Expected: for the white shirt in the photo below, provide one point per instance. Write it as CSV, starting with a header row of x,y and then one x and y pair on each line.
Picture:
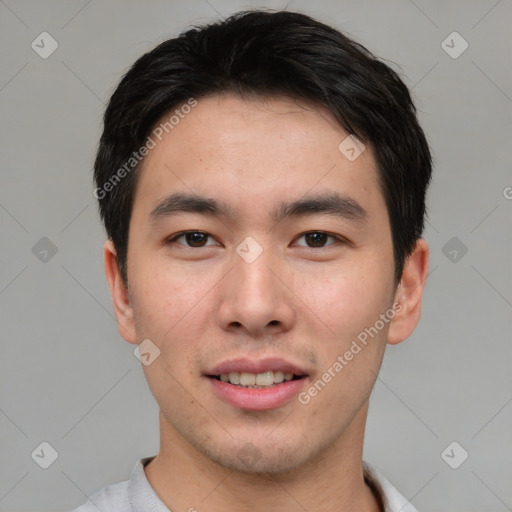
x,y
137,495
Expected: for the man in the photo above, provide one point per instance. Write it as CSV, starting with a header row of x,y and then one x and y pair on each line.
x,y
262,181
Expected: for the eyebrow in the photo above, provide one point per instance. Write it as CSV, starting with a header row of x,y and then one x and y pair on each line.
x,y
332,203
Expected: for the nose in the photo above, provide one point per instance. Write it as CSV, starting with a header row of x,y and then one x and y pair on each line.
x,y
254,298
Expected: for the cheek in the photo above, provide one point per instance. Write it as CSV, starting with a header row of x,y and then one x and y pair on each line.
x,y
350,298
352,354
166,299
350,303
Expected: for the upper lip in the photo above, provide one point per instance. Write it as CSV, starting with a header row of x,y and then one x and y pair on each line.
x,y
244,364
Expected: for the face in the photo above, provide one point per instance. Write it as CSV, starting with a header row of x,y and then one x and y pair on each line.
x,y
250,284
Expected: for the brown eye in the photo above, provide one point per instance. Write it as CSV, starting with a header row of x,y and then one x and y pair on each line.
x,y
196,239
316,239
193,239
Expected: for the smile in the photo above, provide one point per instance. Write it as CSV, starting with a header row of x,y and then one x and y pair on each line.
x,y
256,380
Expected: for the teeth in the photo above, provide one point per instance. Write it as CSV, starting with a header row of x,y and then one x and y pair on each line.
x,y
247,379
253,380
234,378
265,379
278,377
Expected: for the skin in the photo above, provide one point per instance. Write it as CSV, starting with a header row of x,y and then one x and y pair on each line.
x,y
204,305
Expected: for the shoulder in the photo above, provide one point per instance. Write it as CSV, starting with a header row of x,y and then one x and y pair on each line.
x,y
112,498
133,494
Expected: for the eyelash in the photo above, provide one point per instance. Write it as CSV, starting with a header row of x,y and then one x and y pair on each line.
x,y
183,233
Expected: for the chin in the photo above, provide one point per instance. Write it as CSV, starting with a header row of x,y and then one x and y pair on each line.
x,y
251,459
264,455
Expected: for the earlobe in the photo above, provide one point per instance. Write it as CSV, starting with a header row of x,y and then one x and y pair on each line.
x,y
119,292
409,294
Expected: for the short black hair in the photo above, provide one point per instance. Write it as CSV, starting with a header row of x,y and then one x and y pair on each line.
x,y
267,54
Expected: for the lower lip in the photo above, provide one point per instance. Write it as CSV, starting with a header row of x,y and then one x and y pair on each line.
x,y
254,399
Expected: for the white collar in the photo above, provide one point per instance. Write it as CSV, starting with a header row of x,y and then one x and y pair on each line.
x,y
143,498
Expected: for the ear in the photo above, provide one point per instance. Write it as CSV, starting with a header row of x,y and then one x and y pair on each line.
x,y
409,294
120,297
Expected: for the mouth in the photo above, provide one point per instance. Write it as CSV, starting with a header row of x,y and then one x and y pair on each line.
x,y
256,385
262,380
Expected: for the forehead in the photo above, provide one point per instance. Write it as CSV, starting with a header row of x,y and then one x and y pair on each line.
x,y
252,152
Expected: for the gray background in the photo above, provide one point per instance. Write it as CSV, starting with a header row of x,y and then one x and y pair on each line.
x,y
67,377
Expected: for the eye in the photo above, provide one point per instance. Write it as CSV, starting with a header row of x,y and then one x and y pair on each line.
x,y
198,239
193,239
318,239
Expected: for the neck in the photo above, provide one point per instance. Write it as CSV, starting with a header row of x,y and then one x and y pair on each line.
x,y
185,479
